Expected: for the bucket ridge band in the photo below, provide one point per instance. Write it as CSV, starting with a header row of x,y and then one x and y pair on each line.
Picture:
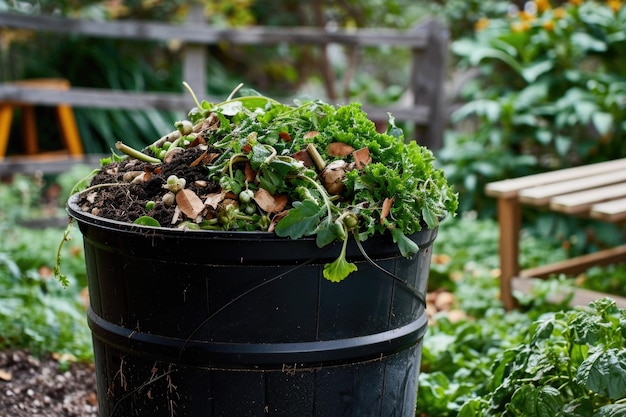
x,y
262,355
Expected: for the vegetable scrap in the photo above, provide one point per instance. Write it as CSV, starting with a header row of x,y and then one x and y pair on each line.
x,y
253,164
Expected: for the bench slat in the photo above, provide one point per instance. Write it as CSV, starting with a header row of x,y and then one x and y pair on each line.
x,y
511,187
612,211
540,196
581,202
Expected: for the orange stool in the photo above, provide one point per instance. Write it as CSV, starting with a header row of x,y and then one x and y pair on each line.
x,y
67,123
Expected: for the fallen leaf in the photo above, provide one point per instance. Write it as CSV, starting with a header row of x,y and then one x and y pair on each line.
x,y
304,157
189,203
285,136
275,219
199,159
311,134
339,149
386,209
212,200
270,203
362,157
249,172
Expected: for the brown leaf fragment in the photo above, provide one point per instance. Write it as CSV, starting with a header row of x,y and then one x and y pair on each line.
x,y
213,200
189,203
249,173
198,140
304,157
362,157
270,203
339,149
285,136
275,219
311,134
386,209
205,159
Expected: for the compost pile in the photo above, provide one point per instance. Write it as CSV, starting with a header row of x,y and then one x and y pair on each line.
x,y
254,164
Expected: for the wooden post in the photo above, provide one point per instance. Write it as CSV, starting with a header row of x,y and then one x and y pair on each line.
x,y
427,83
194,55
509,220
6,116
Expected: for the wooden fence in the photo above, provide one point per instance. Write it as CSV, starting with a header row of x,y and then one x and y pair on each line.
x,y
428,43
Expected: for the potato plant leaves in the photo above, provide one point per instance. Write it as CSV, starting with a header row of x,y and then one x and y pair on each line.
x,y
573,363
604,372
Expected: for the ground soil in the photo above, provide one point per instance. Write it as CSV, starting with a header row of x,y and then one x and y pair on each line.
x,y
42,387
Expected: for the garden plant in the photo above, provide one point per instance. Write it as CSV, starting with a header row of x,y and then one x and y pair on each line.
x,y
549,93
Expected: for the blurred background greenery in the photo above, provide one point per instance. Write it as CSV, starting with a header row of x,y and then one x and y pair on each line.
x,y
532,86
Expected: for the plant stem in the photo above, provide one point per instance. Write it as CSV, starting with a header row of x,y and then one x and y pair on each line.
x,y
232,94
316,157
323,193
193,95
136,154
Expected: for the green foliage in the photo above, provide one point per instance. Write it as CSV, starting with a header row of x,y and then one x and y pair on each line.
x,y
35,311
570,363
549,94
396,189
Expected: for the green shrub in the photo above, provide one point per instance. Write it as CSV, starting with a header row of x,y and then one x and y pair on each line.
x,y
551,93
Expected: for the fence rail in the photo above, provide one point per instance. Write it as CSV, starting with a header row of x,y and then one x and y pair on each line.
x,y
428,43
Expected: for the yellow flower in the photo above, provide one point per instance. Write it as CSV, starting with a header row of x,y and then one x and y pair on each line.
x,y
527,17
559,13
548,25
543,5
519,27
481,24
615,5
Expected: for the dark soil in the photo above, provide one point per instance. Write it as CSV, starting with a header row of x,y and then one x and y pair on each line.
x,y
41,387
126,202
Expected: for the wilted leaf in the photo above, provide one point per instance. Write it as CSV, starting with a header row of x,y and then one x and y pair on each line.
x,y
270,203
189,203
212,200
386,209
339,149
362,157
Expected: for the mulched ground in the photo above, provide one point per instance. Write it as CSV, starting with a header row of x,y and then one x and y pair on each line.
x,y
40,387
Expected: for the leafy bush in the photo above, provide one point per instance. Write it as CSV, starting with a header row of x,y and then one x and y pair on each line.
x,y
571,363
551,93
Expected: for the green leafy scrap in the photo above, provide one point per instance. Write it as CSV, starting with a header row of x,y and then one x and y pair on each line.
x,y
255,135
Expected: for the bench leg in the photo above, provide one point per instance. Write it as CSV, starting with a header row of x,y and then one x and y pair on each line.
x,y
69,129
6,116
29,130
509,220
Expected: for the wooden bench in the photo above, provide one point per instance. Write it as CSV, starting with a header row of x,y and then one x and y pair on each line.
x,y
596,191
65,116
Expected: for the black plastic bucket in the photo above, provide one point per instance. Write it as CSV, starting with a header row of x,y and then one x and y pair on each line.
x,y
205,323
